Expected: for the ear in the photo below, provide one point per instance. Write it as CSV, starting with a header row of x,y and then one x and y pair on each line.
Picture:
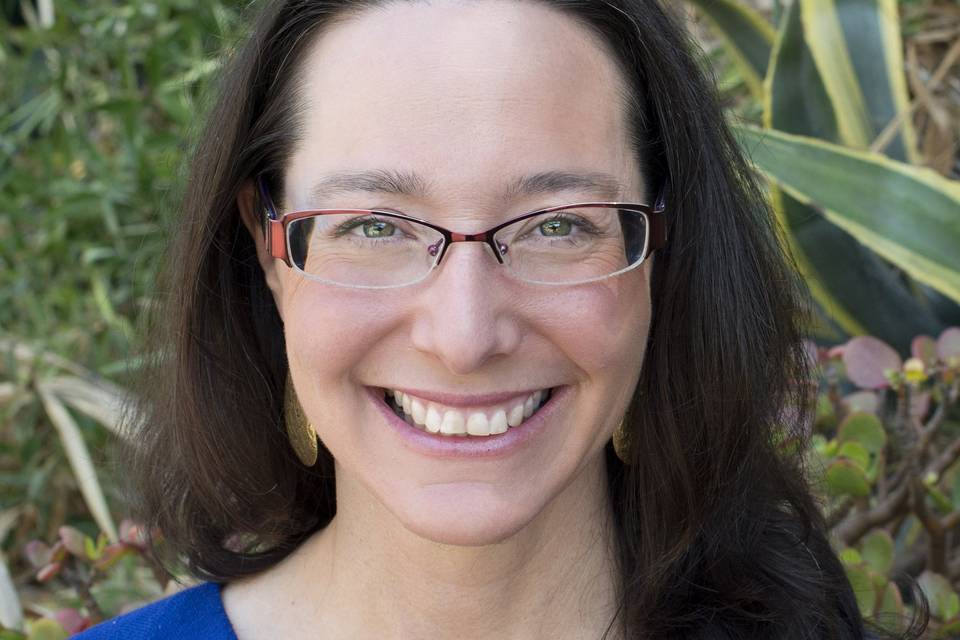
x,y
252,218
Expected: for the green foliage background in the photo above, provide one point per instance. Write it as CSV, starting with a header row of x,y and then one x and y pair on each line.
x,y
97,114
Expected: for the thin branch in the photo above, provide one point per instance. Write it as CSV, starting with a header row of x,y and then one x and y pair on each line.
x,y
936,540
857,525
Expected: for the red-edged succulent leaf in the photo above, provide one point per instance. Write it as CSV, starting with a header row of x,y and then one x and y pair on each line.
x,y
58,552
48,572
71,620
948,346
925,349
72,540
133,534
111,554
867,360
38,553
836,351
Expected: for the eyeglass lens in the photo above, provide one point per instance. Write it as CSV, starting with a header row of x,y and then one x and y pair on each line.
x,y
378,250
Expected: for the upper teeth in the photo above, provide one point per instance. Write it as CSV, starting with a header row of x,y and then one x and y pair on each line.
x,y
438,418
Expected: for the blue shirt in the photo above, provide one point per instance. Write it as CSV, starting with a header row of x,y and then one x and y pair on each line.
x,y
196,613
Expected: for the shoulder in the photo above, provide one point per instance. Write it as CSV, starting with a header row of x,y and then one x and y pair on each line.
x,y
194,613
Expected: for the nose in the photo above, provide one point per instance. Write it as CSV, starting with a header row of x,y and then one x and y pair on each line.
x,y
466,314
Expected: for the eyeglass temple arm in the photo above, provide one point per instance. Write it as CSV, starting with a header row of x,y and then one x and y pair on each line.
x,y
658,222
273,234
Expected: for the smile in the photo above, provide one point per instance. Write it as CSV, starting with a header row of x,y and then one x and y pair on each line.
x,y
437,418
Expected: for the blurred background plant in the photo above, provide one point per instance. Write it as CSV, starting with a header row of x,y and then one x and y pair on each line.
x,y
850,107
884,457
98,102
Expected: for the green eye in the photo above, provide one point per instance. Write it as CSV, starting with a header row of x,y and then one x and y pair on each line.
x,y
556,227
378,229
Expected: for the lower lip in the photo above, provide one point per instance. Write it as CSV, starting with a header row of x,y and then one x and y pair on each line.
x,y
469,447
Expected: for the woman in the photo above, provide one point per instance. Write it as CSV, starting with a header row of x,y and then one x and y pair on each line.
x,y
407,391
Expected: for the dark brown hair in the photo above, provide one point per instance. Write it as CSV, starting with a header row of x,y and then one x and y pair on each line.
x,y
718,535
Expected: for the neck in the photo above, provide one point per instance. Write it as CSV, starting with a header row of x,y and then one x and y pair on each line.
x,y
366,575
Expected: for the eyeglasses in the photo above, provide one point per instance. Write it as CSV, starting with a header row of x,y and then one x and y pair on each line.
x,y
377,249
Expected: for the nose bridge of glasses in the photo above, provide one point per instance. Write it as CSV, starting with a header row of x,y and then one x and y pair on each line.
x,y
468,237
484,238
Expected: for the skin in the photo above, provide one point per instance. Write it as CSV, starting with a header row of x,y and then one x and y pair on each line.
x,y
510,548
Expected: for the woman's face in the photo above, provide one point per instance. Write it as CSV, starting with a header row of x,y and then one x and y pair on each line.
x,y
469,97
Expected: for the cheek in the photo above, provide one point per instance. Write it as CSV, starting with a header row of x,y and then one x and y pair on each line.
x,y
328,330
602,327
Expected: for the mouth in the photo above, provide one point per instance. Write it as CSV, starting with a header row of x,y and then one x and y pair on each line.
x,y
480,422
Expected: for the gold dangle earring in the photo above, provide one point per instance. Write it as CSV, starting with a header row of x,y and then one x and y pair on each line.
x,y
621,443
302,436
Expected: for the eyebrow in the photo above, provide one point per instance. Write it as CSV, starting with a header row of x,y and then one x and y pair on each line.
x,y
413,185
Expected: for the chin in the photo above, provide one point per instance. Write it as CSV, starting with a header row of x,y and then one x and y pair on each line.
x,y
469,521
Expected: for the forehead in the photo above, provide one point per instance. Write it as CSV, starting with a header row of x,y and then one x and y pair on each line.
x,y
469,96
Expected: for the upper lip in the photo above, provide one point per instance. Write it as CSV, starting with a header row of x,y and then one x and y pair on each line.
x,y
468,400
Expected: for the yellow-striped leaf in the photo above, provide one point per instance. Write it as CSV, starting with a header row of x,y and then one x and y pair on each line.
x,y
824,35
871,29
857,48
907,214
745,33
857,290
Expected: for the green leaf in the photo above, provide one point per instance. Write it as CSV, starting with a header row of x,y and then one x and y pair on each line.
x,y
828,46
11,610
856,289
944,603
871,34
863,588
80,460
850,557
948,630
891,609
825,417
877,550
747,36
904,213
864,429
855,453
943,502
845,478
795,99
46,629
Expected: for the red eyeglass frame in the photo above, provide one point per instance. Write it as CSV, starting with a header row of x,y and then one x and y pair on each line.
x,y
276,228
